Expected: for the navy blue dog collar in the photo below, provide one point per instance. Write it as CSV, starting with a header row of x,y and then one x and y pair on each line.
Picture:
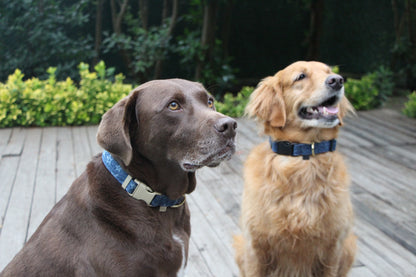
x,y
301,149
137,189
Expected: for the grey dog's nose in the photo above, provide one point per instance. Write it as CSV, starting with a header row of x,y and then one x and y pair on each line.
x,y
334,81
226,126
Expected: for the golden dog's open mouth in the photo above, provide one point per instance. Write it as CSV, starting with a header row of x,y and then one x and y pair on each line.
x,y
325,110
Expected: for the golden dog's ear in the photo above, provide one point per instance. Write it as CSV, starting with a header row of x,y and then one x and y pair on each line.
x,y
113,132
345,108
266,103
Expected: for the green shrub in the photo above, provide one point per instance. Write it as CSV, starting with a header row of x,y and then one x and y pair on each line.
x,y
410,106
361,93
383,81
50,102
371,91
234,105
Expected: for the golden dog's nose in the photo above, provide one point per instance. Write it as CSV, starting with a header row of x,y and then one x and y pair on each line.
x,y
334,81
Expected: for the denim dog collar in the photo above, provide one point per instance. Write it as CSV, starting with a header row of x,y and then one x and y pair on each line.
x,y
301,149
137,189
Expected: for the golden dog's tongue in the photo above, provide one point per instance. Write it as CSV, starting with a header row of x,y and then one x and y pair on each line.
x,y
328,110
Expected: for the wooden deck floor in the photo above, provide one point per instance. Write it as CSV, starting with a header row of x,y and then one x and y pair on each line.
x,y
37,165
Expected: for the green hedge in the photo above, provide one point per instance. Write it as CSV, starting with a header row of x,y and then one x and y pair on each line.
x,y
371,91
35,102
49,102
234,105
410,106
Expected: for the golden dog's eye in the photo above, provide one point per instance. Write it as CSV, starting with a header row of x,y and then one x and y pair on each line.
x,y
174,106
210,103
300,77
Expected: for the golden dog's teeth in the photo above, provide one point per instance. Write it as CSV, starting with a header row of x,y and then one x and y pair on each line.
x,y
325,111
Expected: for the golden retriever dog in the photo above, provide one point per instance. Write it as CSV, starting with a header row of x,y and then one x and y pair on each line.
x,y
296,213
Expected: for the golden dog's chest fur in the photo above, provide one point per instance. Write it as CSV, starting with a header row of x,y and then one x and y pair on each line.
x,y
294,204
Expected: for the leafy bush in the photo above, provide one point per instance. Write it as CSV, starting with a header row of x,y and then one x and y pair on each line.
x,y
361,93
410,106
383,81
37,34
50,102
234,105
371,91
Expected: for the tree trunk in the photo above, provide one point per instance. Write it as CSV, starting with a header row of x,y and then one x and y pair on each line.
x,y
208,35
144,13
226,29
159,63
411,25
315,30
117,19
98,30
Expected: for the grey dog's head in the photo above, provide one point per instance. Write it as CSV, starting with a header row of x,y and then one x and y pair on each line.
x,y
168,121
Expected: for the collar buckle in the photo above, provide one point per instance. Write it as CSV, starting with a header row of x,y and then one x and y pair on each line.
x,y
313,148
143,192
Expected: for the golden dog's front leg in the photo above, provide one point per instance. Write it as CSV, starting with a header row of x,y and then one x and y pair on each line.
x,y
339,258
348,255
252,258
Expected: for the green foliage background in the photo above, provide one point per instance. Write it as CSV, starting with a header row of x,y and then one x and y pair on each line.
x,y
50,102
410,106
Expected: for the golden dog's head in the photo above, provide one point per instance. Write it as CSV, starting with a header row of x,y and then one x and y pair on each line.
x,y
303,102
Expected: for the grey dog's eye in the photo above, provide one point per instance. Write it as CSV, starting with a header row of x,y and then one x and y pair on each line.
x,y
173,106
300,77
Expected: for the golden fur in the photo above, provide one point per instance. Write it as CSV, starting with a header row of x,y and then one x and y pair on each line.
x,y
296,214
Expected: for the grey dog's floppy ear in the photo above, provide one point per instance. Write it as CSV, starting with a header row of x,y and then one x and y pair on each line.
x,y
113,132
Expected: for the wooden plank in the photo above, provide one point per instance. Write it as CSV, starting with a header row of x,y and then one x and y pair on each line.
x,y
82,149
15,144
386,131
375,163
396,118
350,140
358,130
214,213
384,181
8,168
5,135
196,266
375,263
404,154
92,137
388,219
382,255
248,134
44,195
65,165
220,189
14,232
220,260
361,271
389,122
